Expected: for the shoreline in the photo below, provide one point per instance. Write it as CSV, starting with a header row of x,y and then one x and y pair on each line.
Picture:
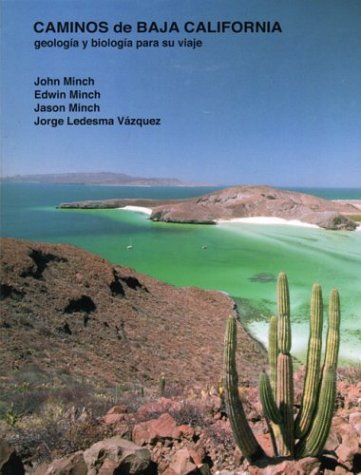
x,y
269,220
264,220
258,330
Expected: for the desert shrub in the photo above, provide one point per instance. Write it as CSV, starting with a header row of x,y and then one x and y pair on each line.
x,y
32,375
135,395
36,443
80,395
190,413
82,434
220,436
21,397
16,404
173,390
53,439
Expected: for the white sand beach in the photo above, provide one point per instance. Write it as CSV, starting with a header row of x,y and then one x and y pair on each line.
x,y
138,209
267,220
250,220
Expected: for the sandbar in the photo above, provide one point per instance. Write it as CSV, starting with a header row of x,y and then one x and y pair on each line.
x,y
267,220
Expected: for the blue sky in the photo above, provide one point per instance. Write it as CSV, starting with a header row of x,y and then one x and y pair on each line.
x,y
278,109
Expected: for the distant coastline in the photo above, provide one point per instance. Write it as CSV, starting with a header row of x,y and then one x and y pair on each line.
x,y
341,193
98,178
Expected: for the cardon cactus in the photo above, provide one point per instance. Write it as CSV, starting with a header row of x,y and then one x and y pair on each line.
x,y
306,434
241,429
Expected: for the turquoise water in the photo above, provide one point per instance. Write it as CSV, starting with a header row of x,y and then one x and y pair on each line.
x,y
240,259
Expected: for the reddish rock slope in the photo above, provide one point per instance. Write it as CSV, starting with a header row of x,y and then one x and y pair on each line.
x,y
66,310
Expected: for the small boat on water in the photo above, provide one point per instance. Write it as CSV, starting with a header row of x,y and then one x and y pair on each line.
x,y
130,245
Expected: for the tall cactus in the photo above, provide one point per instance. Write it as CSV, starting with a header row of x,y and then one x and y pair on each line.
x,y
313,443
312,377
306,435
242,432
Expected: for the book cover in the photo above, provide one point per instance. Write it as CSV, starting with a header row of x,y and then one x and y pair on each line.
x,y
207,145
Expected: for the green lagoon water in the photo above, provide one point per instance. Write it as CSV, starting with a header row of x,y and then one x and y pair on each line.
x,y
240,259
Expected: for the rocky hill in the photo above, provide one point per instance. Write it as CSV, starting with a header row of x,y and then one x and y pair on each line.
x,y
64,310
251,201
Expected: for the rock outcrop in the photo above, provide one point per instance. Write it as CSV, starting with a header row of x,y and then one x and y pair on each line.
x,y
113,455
205,445
120,456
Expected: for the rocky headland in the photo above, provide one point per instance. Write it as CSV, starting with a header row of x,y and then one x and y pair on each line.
x,y
253,201
243,202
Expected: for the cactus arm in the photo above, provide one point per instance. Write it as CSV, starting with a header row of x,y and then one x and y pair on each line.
x,y
313,443
274,428
273,350
269,405
285,403
270,410
333,332
315,440
284,322
284,377
242,432
312,377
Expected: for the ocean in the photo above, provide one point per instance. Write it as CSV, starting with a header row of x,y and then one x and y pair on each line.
x,y
240,259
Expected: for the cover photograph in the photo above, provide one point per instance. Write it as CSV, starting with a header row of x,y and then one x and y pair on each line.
x,y
180,244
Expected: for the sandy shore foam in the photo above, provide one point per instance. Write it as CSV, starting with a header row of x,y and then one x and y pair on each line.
x,y
267,220
138,209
